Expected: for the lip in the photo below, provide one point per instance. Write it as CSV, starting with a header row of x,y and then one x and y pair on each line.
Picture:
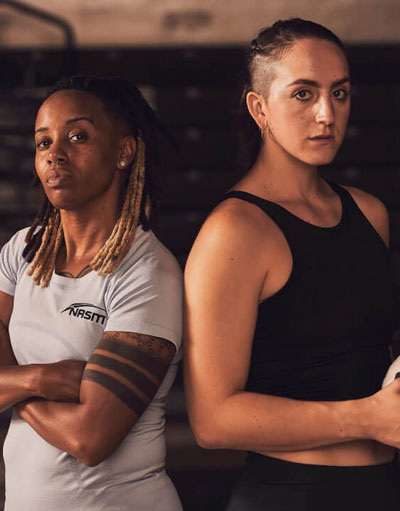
x,y
322,139
56,178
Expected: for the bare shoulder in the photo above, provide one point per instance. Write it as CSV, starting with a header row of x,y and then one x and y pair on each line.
x,y
234,241
235,225
374,210
367,201
233,214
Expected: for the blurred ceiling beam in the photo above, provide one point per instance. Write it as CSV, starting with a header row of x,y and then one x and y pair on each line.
x,y
105,23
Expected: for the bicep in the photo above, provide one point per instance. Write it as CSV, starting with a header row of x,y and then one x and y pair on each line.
x,y
121,377
223,281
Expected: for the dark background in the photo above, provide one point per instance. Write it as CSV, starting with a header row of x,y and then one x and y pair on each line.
x,y
195,92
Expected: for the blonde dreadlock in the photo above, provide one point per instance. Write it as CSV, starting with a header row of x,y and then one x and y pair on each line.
x,y
43,263
116,246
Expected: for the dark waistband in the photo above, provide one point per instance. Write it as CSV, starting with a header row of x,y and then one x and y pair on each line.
x,y
288,469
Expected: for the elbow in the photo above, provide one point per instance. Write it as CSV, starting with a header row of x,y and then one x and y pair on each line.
x,y
91,444
88,452
91,459
206,441
208,436
210,425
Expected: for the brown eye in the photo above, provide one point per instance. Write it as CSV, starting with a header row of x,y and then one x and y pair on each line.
x,y
77,137
303,95
43,144
340,94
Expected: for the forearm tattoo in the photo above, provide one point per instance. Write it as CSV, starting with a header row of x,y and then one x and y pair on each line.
x,y
131,366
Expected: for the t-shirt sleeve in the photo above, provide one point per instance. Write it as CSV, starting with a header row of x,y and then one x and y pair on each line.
x,y
10,261
146,298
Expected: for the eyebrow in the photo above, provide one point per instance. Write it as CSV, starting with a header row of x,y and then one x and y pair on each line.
x,y
70,121
305,81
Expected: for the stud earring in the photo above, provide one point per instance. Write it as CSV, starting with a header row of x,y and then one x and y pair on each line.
x,y
122,163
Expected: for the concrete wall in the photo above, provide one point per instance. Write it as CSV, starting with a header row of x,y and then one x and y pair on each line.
x,y
176,22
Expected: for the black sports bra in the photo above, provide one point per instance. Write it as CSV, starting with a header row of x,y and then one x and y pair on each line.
x,y
325,334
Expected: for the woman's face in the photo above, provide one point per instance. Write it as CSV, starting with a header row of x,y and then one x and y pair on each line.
x,y
77,150
308,103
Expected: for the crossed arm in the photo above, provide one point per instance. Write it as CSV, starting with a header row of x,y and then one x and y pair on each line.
x,y
120,379
88,418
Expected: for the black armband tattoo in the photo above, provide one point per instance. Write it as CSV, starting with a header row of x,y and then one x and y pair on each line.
x,y
131,371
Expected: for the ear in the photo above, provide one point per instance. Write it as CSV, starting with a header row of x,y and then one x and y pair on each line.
x,y
126,152
257,108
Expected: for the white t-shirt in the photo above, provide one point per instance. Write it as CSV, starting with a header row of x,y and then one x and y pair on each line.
x,y
66,321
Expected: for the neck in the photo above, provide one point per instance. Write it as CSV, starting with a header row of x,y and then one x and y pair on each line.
x,y
86,231
282,177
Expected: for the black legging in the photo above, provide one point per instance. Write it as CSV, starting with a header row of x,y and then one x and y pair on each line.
x,y
270,484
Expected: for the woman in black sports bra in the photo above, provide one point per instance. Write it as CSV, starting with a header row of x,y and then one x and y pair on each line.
x,y
290,304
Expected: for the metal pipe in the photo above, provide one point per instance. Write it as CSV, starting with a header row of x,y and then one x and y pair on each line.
x,y
46,16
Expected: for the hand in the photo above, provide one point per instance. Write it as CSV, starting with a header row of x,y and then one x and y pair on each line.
x,y
384,415
61,381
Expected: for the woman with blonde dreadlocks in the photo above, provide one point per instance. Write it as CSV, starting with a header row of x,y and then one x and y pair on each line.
x,y
92,303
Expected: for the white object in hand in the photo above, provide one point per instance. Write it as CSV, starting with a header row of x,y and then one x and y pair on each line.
x,y
391,373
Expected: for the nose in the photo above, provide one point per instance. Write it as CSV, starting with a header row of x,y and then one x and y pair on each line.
x,y
56,156
59,160
324,113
